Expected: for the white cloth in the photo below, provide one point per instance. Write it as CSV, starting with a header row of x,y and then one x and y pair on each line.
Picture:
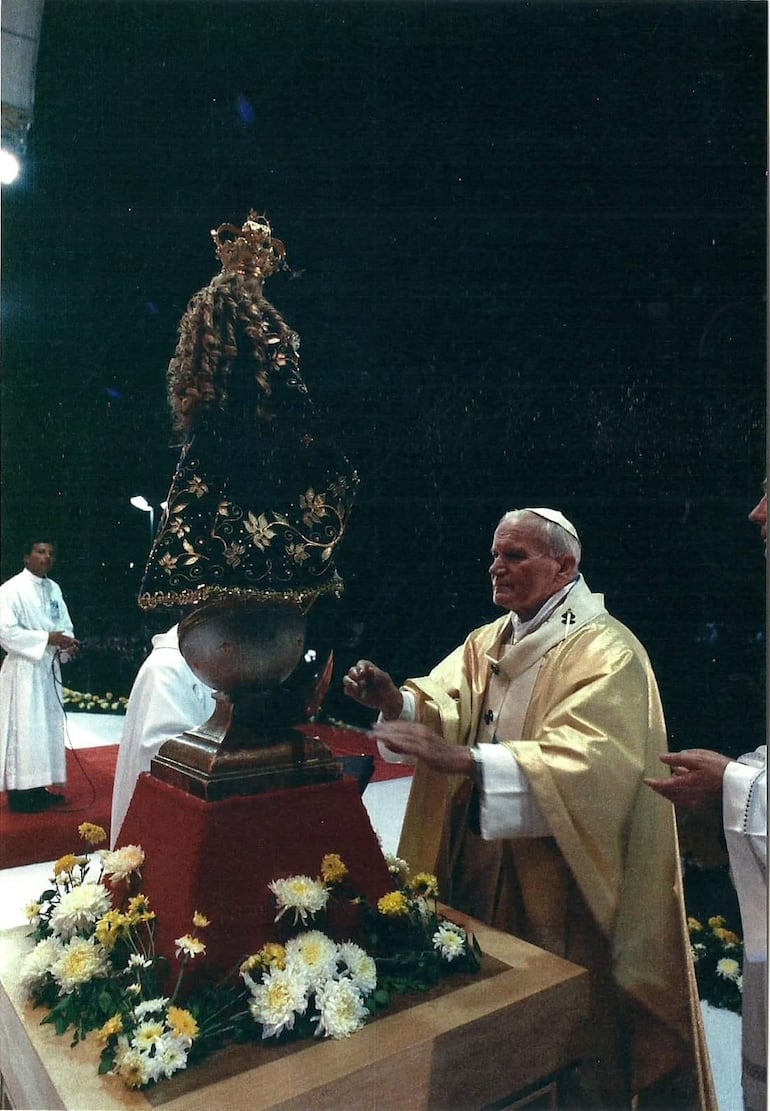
x,y
166,698
744,808
32,719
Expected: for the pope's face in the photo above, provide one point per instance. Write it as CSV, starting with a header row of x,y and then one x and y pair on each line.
x,y
523,575
40,560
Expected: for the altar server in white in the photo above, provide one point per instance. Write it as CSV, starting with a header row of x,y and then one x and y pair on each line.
x,y
166,699
37,634
703,779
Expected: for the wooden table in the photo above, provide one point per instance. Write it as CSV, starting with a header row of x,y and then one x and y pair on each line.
x,y
478,1040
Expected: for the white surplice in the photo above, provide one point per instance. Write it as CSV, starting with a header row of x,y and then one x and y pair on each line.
x,y
32,720
166,698
744,806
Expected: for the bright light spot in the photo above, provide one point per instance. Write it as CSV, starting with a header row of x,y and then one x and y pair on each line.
x,y
140,502
311,656
10,167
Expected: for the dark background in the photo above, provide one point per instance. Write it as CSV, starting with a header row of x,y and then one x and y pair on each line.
x,y
528,243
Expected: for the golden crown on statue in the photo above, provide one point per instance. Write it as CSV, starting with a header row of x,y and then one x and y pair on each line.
x,y
250,249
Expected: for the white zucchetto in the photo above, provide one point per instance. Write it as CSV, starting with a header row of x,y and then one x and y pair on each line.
x,y
557,518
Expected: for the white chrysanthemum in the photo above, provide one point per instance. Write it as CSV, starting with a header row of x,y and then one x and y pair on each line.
x,y
301,894
278,1000
122,862
449,940
397,866
697,951
739,983
39,962
149,1007
728,968
136,960
80,961
341,1007
313,956
171,1054
79,909
362,968
147,1034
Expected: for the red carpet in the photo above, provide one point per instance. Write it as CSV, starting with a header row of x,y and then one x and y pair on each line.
x,y
30,838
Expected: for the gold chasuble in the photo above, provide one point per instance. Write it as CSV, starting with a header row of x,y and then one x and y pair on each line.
x,y
605,889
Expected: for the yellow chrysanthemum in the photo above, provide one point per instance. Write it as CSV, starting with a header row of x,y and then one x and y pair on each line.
x,y
694,926
716,921
91,833
67,864
393,905
333,869
189,946
727,936
110,927
273,955
424,883
182,1023
133,1070
139,910
112,1026
200,920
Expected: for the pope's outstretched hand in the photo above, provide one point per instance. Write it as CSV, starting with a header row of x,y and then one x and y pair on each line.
x,y
407,738
371,686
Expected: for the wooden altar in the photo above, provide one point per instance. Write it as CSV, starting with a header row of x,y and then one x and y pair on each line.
x,y
502,1037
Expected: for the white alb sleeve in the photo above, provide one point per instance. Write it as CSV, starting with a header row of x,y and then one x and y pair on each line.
x,y
408,713
507,804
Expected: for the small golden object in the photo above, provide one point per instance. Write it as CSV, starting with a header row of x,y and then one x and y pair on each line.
x,y
251,249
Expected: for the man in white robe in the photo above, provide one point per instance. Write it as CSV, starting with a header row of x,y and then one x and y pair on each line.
x,y
536,733
704,780
36,632
166,698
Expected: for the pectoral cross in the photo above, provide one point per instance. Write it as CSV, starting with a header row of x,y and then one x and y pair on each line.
x,y
568,618
489,717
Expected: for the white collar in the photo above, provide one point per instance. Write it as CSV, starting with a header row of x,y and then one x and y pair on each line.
x,y
39,579
520,628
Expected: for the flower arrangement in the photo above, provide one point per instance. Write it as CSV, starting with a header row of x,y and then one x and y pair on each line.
x,y
82,703
95,968
718,956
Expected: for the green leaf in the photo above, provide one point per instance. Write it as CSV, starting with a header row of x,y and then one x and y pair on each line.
x,y
106,1003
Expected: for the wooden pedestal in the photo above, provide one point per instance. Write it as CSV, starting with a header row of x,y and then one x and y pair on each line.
x,y
489,1039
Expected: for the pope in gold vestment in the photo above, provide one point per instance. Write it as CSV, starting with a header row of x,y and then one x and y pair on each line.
x,y
604,888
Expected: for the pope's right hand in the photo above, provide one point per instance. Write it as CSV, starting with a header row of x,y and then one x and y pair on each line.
x,y
371,686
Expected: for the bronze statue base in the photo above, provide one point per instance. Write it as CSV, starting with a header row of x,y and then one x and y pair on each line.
x,y
222,758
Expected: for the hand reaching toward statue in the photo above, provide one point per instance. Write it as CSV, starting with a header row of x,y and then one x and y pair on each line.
x,y
371,686
696,778
420,743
